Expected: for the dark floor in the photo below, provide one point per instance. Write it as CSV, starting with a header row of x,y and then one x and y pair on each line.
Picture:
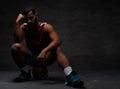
x,y
101,79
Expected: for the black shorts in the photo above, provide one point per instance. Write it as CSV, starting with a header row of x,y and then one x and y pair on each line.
x,y
32,60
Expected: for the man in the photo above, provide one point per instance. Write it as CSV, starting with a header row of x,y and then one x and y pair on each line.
x,y
42,47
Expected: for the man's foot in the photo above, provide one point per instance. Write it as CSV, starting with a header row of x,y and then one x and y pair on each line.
x,y
74,81
23,76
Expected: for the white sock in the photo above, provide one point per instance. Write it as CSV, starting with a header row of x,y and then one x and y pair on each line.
x,y
26,68
68,70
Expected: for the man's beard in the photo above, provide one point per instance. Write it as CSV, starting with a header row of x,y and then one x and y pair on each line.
x,y
32,24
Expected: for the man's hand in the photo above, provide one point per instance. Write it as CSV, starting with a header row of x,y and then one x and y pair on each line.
x,y
41,59
42,55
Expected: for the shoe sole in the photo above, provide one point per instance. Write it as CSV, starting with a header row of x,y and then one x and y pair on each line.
x,y
78,84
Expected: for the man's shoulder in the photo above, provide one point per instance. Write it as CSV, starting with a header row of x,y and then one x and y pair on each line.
x,y
48,27
42,23
24,26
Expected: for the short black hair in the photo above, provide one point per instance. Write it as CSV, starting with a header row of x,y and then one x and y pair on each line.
x,y
26,10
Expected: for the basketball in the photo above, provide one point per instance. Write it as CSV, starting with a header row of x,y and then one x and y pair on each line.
x,y
40,73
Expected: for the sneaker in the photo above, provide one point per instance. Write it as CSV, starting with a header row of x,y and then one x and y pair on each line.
x,y
23,76
73,80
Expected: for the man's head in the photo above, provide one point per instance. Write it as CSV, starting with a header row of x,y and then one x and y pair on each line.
x,y
30,15
26,10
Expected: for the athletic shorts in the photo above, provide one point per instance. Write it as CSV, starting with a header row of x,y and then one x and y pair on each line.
x,y
31,60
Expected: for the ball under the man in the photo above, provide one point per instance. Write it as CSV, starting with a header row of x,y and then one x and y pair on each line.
x,y
40,73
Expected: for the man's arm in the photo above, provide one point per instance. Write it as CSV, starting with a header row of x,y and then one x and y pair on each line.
x,y
55,39
18,29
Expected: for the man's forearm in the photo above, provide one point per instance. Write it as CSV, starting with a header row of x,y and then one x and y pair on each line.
x,y
18,36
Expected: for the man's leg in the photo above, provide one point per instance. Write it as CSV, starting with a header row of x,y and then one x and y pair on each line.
x,y
19,53
71,76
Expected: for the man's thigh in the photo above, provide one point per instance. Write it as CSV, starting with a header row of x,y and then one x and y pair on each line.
x,y
51,57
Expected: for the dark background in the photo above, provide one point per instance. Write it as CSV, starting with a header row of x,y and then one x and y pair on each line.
x,y
90,30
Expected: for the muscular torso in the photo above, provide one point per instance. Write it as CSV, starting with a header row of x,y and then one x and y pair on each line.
x,y
36,39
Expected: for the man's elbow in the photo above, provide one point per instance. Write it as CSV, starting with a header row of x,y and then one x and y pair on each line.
x,y
59,42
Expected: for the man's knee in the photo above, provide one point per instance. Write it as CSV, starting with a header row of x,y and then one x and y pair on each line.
x,y
59,50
